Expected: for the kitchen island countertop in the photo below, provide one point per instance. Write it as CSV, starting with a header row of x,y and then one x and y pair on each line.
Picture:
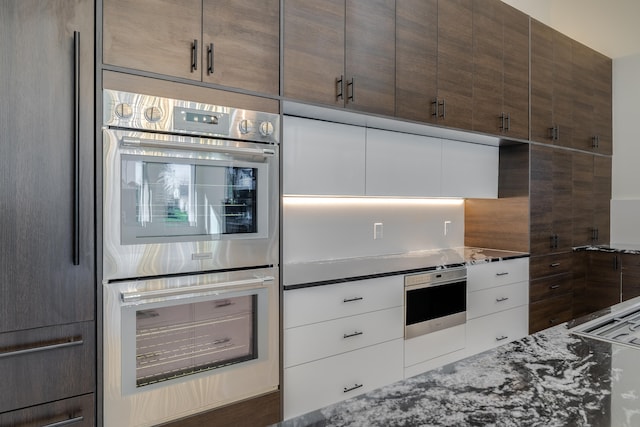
x,y
551,378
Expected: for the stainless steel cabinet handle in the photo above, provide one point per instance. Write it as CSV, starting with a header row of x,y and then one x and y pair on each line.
x,y
554,265
554,287
72,342
435,104
76,148
443,103
340,88
351,95
65,422
503,117
502,274
502,299
355,334
156,143
508,122
354,387
501,338
210,59
194,55
353,299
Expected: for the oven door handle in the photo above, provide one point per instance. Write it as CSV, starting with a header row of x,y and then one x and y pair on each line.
x,y
193,291
155,143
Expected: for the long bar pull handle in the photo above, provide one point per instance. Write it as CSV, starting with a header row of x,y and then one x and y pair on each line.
x,y
353,299
504,273
501,338
351,84
502,299
76,148
615,262
66,422
355,334
69,343
194,55
435,104
340,88
210,59
554,265
444,108
155,143
502,125
354,387
552,287
557,132
508,122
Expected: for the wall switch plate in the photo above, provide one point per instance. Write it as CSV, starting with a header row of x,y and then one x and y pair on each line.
x,y
377,230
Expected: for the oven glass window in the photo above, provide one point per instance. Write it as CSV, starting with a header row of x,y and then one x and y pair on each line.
x,y
167,202
185,339
433,302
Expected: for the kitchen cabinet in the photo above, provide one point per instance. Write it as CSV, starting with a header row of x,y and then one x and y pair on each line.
x,y
630,276
322,158
469,170
76,411
47,273
400,164
340,53
501,69
227,43
603,280
591,194
433,350
341,340
497,304
552,94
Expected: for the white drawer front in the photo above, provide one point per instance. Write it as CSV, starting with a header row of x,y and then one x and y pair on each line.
x,y
317,384
500,298
435,344
434,363
491,331
487,275
319,340
320,303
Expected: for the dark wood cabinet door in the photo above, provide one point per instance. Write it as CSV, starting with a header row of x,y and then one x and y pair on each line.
x,y
630,276
583,202
602,199
39,283
153,35
314,51
76,412
241,44
541,200
516,71
370,56
563,90
602,103
583,110
455,67
541,82
416,59
562,200
488,66
603,280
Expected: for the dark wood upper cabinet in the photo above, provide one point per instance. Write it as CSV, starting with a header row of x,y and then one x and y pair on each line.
x,y
341,53
228,43
501,69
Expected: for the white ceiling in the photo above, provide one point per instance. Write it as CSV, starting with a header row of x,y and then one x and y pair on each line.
x,y
608,26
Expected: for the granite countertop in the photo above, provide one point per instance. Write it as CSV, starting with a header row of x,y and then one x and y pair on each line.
x,y
551,378
305,274
624,248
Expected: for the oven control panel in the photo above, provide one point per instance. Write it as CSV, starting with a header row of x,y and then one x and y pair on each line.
x,y
152,113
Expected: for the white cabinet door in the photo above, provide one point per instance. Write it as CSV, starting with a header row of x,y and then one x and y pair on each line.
x,y
322,158
496,329
469,170
499,298
491,274
401,164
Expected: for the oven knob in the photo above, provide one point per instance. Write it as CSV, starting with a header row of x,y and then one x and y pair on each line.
x,y
245,126
153,114
123,111
266,128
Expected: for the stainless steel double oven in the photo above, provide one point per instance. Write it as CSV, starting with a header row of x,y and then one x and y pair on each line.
x,y
190,257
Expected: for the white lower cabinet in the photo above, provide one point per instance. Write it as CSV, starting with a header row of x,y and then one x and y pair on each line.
x,y
430,351
490,331
320,383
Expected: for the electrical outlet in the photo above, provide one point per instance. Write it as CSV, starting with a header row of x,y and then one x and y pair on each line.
x,y
377,230
447,225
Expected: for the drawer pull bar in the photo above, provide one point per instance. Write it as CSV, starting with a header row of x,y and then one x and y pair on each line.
x,y
502,338
554,286
353,299
554,265
348,389
355,334
502,274
502,299
66,422
65,344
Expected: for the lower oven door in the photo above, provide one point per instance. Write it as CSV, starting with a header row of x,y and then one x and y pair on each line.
x,y
177,346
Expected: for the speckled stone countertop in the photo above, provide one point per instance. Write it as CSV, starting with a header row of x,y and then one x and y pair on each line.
x,y
551,378
624,248
300,275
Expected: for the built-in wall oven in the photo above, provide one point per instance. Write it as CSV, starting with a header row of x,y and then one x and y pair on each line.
x,y
435,300
190,257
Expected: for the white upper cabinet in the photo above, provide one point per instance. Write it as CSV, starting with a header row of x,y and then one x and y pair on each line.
x,y
469,170
322,158
401,164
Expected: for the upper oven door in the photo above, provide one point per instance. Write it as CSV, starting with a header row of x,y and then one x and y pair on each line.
x,y
177,204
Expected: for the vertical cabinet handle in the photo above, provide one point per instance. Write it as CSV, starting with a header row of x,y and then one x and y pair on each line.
x,y
443,104
351,94
508,122
76,148
435,108
502,122
194,55
209,59
340,88
615,262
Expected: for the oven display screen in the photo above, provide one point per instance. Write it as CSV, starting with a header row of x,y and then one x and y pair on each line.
x,y
201,118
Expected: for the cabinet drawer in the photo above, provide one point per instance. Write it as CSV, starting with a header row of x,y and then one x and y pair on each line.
x,y
319,340
317,384
631,262
46,364
491,331
487,275
551,286
320,303
550,312
434,344
74,412
496,299
548,265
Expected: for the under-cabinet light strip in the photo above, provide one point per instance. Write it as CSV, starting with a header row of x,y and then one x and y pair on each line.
x,y
303,200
